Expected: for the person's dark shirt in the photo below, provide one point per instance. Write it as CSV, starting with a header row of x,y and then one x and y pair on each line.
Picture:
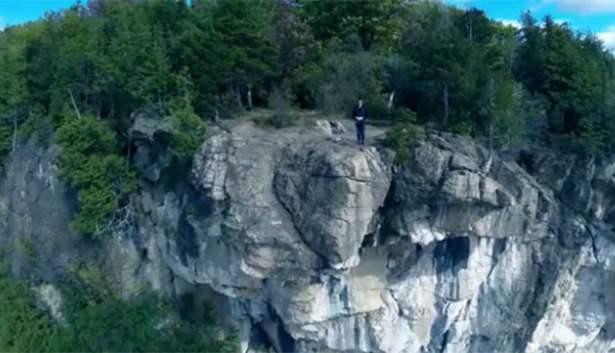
x,y
359,111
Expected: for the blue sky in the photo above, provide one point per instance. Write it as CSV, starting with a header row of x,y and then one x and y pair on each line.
x,y
597,16
19,11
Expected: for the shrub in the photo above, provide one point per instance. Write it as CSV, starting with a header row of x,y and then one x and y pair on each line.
x,y
463,127
5,139
189,131
343,78
402,134
26,248
279,102
37,126
592,138
144,324
141,325
91,163
378,109
23,328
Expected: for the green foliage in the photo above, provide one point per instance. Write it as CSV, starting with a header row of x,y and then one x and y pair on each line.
x,y
12,83
189,131
110,325
453,68
296,45
23,328
403,134
25,246
38,127
457,69
5,139
463,127
343,78
509,124
592,138
90,285
572,75
279,102
230,48
90,162
142,325
375,22
248,49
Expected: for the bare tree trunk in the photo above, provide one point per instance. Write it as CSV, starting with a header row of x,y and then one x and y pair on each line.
x,y
391,100
512,57
249,97
217,108
470,25
491,133
390,106
129,153
491,113
491,103
14,131
238,95
445,98
72,98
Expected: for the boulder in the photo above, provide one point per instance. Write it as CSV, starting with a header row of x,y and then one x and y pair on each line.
x,y
333,193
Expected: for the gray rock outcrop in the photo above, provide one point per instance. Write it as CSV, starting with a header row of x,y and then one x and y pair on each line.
x,y
150,136
36,210
307,243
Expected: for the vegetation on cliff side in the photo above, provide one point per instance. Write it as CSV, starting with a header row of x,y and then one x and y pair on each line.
x,y
105,325
92,165
454,69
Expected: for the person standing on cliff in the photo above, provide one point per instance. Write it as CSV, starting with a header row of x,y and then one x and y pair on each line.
x,y
359,115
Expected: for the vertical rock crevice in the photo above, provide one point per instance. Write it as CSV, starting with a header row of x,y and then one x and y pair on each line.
x,y
314,245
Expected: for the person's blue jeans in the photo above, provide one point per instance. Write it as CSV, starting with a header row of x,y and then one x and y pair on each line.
x,y
360,133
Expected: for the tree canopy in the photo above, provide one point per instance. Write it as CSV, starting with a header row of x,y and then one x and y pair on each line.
x,y
452,69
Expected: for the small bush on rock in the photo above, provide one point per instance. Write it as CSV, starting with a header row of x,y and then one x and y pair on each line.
x,y
189,131
404,131
91,163
279,102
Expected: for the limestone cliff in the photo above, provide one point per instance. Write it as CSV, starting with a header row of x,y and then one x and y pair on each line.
x,y
310,244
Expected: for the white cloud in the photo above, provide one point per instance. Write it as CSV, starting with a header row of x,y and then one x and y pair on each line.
x,y
608,37
512,23
2,23
585,6
561,21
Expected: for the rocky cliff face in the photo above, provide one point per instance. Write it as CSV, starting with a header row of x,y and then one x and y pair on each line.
x,y
309,244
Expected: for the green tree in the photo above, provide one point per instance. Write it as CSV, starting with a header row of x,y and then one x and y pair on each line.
x,y
143,324
374,22
23,328
14,101
91,163
188,129
246,50
528,69
343,77
571,73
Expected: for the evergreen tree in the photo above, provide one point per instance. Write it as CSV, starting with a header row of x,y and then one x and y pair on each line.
x,y
374,22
